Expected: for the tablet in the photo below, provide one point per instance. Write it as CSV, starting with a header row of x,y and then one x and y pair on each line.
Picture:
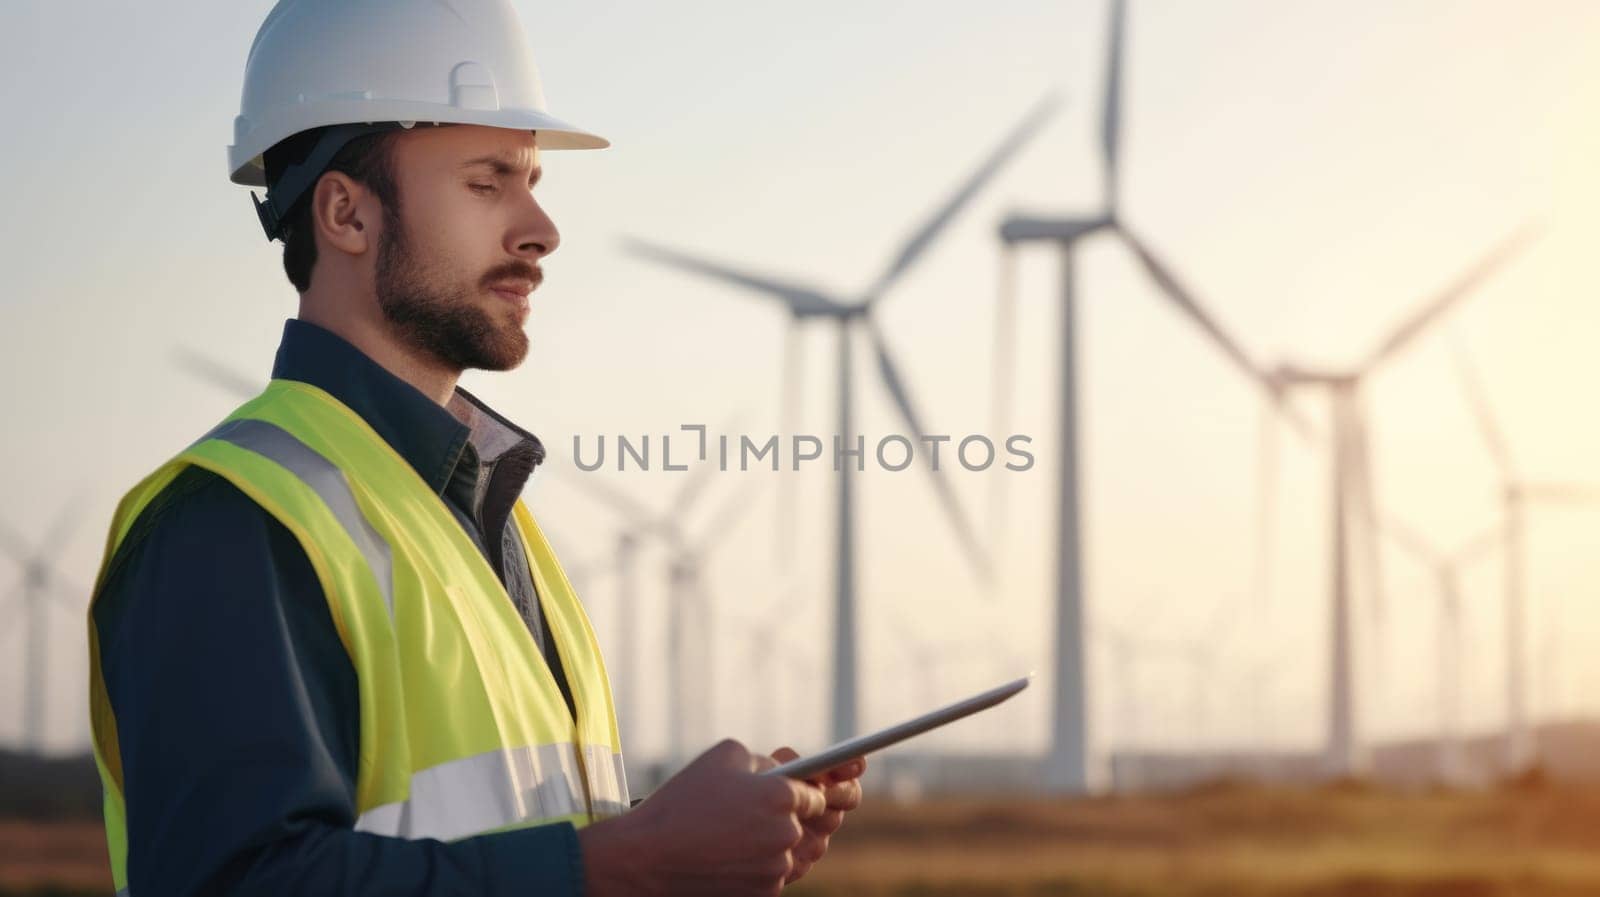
x,y
845,751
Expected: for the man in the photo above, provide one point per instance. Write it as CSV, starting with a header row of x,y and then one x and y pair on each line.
x,y
332,652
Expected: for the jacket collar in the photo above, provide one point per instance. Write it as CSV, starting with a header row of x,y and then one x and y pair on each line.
x,y
434,440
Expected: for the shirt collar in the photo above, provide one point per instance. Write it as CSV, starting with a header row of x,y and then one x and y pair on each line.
x,y
432,439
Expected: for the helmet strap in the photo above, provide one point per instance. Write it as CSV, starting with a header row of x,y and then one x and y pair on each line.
x,y
286,192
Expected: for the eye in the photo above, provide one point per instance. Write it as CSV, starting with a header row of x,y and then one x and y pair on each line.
x,y
482,189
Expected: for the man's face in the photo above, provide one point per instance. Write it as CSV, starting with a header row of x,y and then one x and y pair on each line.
x,y
458,258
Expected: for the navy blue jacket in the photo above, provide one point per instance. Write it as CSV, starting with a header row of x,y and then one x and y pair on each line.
x,y
236,704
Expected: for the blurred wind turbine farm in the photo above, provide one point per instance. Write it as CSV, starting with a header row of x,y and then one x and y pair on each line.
x,y
804,302
1430,530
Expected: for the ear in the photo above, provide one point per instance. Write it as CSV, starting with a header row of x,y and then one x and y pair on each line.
x,y
344,214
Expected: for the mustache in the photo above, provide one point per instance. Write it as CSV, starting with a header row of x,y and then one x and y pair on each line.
x,y
513,270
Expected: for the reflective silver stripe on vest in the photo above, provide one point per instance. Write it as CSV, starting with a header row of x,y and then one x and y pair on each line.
x,y
122,893
282,447
608,782
491,791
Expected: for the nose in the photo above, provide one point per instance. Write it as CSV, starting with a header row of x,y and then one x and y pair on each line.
x,y
535,235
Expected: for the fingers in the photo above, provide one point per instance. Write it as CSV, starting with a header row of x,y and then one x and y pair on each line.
x,y
825,823
809,801
799,867
842,795
761,764
727,752
852,770
845,772
819,806
807,853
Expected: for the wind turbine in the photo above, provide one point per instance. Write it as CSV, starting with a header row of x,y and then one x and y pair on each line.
x,y
1450,752
1066,766
39,588
1516,495
1125,641
1260,680
621,563
1353,502
638,523
689,600
765,643
587,573
924,661
804,303
1197,656
1124,647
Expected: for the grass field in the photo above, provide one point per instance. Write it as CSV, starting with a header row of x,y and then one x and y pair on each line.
x,y
1222,841
1240,842
58,859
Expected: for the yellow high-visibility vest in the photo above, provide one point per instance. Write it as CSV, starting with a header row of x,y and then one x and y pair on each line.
x,y
463,727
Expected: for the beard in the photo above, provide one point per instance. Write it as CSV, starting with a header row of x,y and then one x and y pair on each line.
x,y
439,318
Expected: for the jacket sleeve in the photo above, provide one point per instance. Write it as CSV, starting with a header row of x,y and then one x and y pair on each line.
x,y
237,718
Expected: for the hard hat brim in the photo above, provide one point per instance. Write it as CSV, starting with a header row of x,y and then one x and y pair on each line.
x,y
245,156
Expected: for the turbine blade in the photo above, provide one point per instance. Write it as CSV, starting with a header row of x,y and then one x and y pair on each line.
x,y
785,530
1187,304
12,543
217,373
1488,427
1266,501
947,499
799,298
1366,507
19,596
59,595
1002,370
1485,542
590,571
727,514
694,485
918,242
620,503
1408,540
55,539
1463,286
700,477
1562,493
1111,123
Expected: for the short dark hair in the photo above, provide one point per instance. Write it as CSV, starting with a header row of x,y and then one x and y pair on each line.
x,y
368,160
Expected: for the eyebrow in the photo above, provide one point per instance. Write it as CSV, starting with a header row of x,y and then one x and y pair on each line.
x,y
503,166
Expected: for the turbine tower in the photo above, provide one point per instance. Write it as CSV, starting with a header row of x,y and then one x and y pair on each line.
x,y
804,303
1450,756
1067,763
39,588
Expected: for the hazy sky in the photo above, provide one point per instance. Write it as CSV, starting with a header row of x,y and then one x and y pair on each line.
x,y
1314,170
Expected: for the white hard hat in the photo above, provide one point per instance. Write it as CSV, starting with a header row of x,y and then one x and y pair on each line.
x,y
316,63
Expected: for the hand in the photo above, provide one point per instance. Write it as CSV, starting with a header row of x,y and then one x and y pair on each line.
x,y
841,789
717,828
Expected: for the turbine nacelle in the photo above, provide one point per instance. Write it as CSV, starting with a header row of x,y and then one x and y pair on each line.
x,y
1581,494
1031,229
1285,376
820,306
